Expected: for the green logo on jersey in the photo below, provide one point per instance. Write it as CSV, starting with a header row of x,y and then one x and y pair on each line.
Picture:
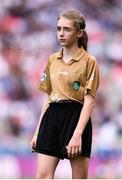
x,y
76,85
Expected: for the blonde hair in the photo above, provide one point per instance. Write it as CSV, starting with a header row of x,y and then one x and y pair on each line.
x,y
79,23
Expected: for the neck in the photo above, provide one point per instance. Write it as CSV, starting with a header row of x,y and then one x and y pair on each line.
x,y
69,52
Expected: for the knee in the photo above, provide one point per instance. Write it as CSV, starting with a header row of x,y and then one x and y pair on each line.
x,y
44,175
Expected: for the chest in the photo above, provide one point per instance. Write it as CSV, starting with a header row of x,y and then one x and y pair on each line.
x,y
75,68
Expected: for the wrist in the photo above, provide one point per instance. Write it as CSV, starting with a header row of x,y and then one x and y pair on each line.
x,y
77,132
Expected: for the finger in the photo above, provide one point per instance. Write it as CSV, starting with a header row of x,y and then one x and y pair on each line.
x,y
73,151
33,144
79,150
69,151
33,148
76,150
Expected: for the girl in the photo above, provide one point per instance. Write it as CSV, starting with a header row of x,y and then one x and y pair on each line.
x,y
70,81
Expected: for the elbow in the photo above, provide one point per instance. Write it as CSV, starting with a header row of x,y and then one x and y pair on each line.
x,y
90,105
89,102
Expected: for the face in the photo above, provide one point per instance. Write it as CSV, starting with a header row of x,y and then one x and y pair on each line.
x,y
66,32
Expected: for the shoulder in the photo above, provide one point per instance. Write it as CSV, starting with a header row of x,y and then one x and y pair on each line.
x,y
53,57
91,59
87,56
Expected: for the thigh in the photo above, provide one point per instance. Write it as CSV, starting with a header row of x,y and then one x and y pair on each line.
x,y
79,167
46,165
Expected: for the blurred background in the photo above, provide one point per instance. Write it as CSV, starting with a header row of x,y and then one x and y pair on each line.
x,y
27,38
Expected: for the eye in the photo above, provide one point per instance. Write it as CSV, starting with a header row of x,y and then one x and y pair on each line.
x,y
58,28
67,29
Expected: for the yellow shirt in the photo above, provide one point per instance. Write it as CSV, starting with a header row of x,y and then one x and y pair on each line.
x,y
70,81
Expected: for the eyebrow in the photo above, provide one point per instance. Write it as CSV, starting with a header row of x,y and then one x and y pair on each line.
x,y
64,27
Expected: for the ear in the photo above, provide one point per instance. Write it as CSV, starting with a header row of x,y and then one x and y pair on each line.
x,y
80,33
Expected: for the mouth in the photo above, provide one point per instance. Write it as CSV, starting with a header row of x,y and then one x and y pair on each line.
x,y
62,40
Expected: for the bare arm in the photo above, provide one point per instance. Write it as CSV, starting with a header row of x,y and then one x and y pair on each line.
x,y
75,143
44,108
85,114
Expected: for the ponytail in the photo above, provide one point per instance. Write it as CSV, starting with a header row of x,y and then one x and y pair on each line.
x,y
83,41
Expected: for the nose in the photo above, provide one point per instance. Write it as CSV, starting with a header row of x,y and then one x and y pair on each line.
x,y
61,33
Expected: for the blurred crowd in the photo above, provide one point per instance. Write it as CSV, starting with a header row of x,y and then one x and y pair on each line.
x,y
27,38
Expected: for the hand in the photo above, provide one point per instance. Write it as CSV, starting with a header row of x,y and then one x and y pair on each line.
x,y
74,146
33,142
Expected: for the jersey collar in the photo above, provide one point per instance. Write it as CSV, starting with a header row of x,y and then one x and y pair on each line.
x,y
77,57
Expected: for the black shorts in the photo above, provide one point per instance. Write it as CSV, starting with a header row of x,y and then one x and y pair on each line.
x,y
57,127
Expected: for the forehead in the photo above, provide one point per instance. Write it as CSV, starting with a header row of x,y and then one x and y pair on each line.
x,y
64,22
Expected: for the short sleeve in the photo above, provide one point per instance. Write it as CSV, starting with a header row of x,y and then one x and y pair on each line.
x,y
45,83
92,81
